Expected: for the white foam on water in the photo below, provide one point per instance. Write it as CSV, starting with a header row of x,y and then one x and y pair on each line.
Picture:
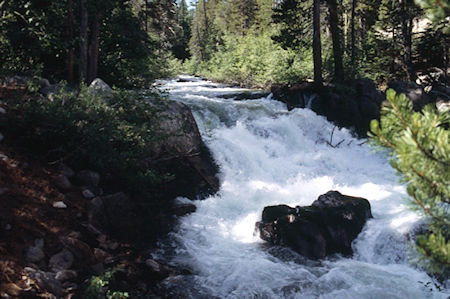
x,y
270,156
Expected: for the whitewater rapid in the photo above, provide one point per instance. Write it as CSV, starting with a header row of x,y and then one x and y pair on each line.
x,y
270,156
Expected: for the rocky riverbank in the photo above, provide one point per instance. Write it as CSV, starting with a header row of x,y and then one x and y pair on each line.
x,y
65,231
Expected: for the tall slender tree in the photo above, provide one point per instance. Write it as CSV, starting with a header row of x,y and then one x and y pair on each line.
x,y
83,66
317,45
336,37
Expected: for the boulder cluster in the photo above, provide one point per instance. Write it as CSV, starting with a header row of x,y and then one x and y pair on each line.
x,y
328,226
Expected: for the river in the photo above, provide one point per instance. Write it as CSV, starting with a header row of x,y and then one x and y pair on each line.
x,y
270,156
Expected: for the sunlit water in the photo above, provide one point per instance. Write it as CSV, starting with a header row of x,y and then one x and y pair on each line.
x,y
270,156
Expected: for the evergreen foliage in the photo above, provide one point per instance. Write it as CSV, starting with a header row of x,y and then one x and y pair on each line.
x,y
80,128
420,144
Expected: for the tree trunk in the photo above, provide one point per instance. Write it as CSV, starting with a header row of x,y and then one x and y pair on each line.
x,y
336,37
93,49
352,33
83,41
317,46
407,40
70,52
205,16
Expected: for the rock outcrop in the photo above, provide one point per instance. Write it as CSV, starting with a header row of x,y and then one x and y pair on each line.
x,y
353,106
326,227
414,92
182,153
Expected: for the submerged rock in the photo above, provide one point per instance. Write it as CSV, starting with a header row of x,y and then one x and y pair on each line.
x,y
328,226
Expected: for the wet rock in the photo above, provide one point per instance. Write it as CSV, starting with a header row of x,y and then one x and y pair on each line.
x,y
183,207
244,95
158,270
62,183
59,205
87,178
353,105
66,275
183,154
414,92
61,261
35,254
326,227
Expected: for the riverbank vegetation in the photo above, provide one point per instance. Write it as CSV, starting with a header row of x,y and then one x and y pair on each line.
x,y
262,42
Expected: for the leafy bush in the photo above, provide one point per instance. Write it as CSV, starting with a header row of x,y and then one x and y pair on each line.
x,y
99,287
82,130
253,60
421,154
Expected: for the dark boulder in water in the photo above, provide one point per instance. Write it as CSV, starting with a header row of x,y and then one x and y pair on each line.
x,y
326,227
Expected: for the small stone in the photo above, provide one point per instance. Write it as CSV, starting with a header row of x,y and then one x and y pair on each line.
x,y
113,245
76,235
81,250
61,261
3,191
47,282
2,110
59,205
88,178
101,255
98,268
8,226
66,275
67,171
3,157
70,287
153,265
88,193
62,183
34,254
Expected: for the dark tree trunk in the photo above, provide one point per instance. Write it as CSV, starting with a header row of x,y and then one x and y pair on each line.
x,y
336,37
352,33
317,47
205,16
93,49
83,41
70,52
407,39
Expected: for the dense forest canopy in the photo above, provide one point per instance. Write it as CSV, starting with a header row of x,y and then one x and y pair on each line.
x,y
257,42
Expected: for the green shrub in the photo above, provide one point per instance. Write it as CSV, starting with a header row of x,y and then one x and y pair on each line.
x,y
98,287
82,130
253,60
421,154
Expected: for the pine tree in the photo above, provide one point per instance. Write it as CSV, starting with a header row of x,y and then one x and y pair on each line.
x,y
420,144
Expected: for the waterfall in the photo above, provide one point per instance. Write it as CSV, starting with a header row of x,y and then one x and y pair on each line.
x,y
270,156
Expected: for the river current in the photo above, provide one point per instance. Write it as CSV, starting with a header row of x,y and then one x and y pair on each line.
x,y
268,156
